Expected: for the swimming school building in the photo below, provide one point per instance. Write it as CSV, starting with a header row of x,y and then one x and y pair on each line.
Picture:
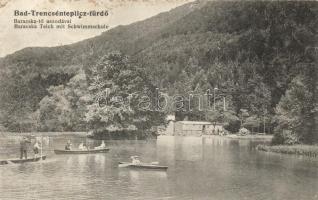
x,y
192,128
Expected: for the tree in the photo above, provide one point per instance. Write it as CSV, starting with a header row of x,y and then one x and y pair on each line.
x,y
55,111
298,109
65,107
122,96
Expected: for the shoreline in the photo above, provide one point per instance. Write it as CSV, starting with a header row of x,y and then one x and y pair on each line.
x,y
85,134
102,136
300,150
41,133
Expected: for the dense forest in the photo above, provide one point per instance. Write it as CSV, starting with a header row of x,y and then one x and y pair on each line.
x,y
257,59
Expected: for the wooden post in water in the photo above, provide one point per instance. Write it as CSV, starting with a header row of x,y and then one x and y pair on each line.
x,y
41,146
264,125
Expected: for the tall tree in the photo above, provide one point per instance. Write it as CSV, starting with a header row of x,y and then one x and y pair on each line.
x,y
122,95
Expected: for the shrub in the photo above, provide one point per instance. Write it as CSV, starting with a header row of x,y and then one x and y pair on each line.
x,y
232,122
285,137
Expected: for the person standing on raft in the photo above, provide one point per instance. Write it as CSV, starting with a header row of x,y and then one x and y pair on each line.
x,y
36,148
24,147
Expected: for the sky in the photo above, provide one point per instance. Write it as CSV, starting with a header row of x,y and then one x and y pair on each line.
x,y
121,12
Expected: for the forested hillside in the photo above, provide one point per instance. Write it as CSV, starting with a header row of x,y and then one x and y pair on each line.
x,y
261,57
27,75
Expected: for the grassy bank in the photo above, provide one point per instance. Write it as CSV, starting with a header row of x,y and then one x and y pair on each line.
x,y
236,136
122,135
304,150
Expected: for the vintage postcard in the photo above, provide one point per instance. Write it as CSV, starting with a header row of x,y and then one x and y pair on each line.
x,y
158,100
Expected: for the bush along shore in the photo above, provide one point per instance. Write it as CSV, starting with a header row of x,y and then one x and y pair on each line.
x,y
122,135
304,150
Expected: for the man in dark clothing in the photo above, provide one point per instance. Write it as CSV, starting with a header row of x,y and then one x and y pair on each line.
x,y
68,145
24,148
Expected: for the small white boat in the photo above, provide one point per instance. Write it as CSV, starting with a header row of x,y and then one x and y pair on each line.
x,y
153,165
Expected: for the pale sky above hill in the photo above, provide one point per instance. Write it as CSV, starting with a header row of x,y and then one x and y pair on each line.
x,y
121,12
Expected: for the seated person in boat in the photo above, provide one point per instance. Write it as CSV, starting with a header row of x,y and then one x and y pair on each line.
x,y
82,146
101,146
24,143
36,148
68,145
135,160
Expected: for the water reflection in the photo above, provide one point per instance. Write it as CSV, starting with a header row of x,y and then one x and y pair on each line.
x,y
199,168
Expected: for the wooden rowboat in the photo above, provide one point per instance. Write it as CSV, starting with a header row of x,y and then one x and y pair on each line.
x,y
89,151
142,166
19,161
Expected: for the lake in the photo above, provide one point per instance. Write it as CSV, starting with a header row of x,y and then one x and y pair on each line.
x,y
211,167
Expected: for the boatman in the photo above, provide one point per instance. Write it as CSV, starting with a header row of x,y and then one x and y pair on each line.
x,y
82,147
24,147
102,146
68,145
135,160
36,148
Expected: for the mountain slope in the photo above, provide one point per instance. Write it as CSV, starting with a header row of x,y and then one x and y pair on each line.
x,y
27,74
251,51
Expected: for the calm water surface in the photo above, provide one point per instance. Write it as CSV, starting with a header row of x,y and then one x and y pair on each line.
x,y
199,168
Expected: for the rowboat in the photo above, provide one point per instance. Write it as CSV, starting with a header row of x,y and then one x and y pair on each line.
x,y
19,161
89,151
143,166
